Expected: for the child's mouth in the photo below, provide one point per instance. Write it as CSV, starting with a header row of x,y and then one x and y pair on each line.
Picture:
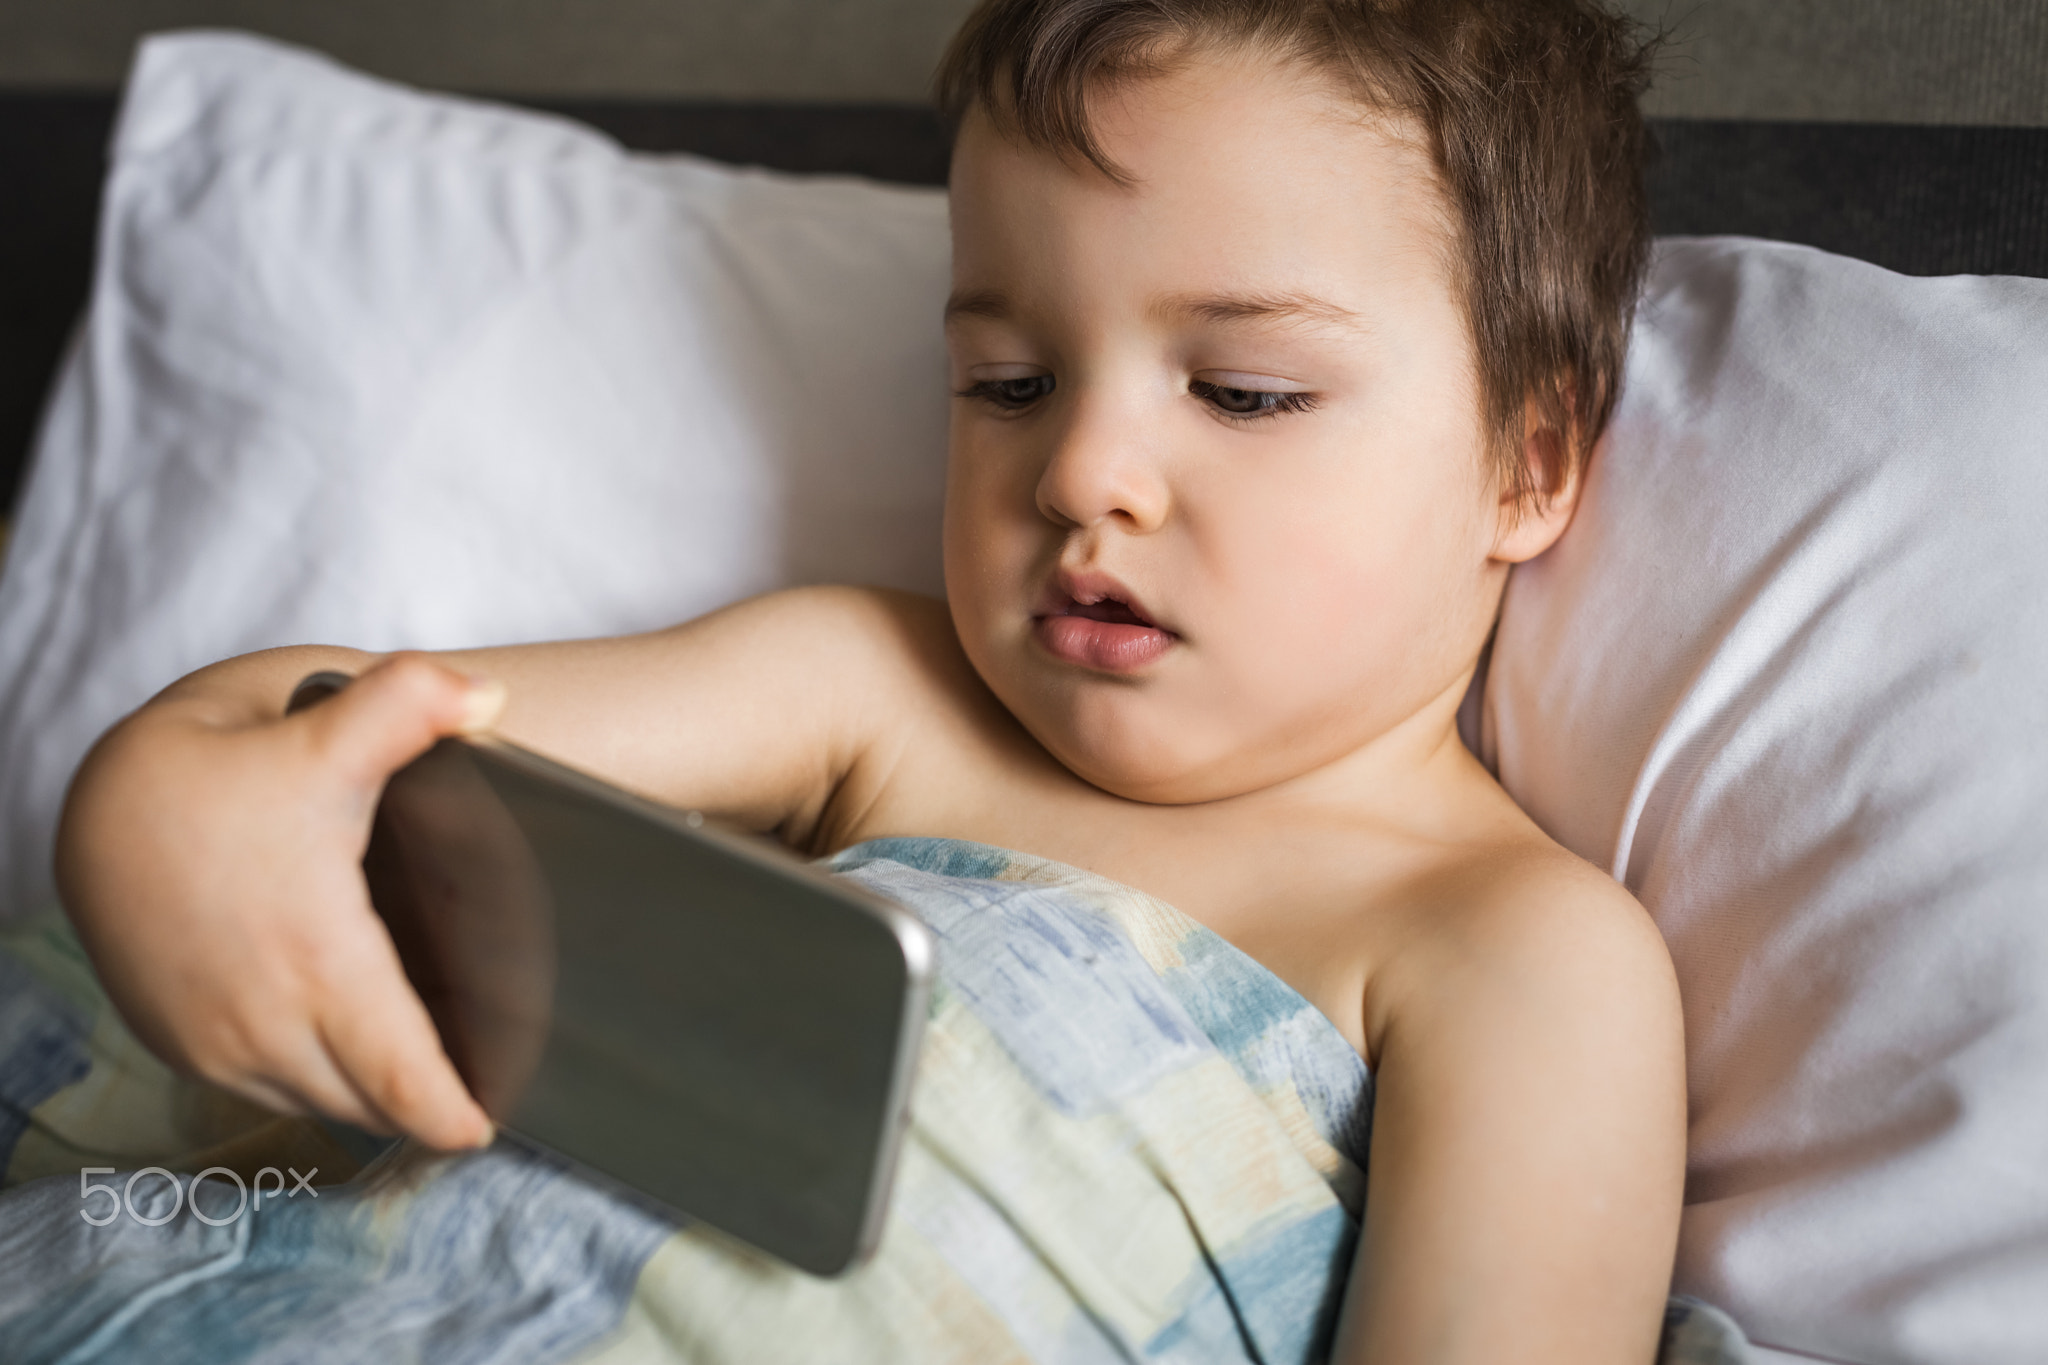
x,y
1099,629
1110,610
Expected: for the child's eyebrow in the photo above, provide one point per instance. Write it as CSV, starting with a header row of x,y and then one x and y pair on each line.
x,y
1290,307
978,303
1285,307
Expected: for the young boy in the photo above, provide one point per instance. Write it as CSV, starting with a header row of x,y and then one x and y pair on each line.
x,y
1280,332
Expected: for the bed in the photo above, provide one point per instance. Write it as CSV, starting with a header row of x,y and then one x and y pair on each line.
x,y
1782,679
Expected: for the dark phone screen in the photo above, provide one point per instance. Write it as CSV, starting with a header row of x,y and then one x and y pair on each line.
x,y
722,1036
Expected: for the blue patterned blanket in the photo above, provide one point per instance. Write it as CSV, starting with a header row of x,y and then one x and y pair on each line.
x,y
1130,1143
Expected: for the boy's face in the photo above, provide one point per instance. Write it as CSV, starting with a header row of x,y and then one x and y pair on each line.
x,y
1218,511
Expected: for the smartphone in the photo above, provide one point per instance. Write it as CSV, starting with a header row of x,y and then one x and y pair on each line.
x,y
687,1013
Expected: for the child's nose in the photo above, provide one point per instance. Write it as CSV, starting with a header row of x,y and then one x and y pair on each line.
x,y
1104,467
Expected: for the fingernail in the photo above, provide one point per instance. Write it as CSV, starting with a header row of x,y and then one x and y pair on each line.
x,y
482,705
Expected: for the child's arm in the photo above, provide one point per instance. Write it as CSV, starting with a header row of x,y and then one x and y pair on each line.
x,y
210,849
1528,1146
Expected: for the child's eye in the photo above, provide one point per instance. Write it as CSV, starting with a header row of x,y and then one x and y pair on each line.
x,y
1242,403
1011,394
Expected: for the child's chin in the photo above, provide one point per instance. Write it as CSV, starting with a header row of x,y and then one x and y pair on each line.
x,y
1104,755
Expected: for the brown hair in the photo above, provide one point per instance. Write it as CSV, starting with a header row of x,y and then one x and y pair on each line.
x,y
1529,108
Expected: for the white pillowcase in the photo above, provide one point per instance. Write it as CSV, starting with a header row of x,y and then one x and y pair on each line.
x,y
386,369
381,368
1787,676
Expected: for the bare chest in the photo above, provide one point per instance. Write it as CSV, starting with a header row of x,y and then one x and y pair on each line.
x,y
1316,904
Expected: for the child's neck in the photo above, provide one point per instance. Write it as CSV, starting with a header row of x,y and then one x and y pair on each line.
x,y
1411,775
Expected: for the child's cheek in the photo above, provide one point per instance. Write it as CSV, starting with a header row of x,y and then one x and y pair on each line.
x,y
988,536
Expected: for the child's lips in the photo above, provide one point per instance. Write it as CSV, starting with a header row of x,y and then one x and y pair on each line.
x,y
1106,646
1099,631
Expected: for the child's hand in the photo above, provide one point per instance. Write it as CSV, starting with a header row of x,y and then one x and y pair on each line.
x,y
210,855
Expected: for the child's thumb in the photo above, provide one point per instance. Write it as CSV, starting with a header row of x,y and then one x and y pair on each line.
x,y
395,711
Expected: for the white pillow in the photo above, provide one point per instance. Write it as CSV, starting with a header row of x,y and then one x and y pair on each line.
x,y
1787,675
388,369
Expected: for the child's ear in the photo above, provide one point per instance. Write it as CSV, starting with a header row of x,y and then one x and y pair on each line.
x,y
1531,524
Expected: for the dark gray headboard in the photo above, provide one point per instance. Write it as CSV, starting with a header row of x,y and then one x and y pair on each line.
x,y
1919,199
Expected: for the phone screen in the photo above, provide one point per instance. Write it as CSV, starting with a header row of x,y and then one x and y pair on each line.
x,y
712,1025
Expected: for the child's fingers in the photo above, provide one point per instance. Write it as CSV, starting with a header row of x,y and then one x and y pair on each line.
x,y
379,1061
383,1042
277,1098
317,1086
287,1070
395,711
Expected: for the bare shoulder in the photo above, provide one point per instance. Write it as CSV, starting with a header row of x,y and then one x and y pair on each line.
x,y
875,623
1525,933
1532,896
920,742
903,634
864,651
893,658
